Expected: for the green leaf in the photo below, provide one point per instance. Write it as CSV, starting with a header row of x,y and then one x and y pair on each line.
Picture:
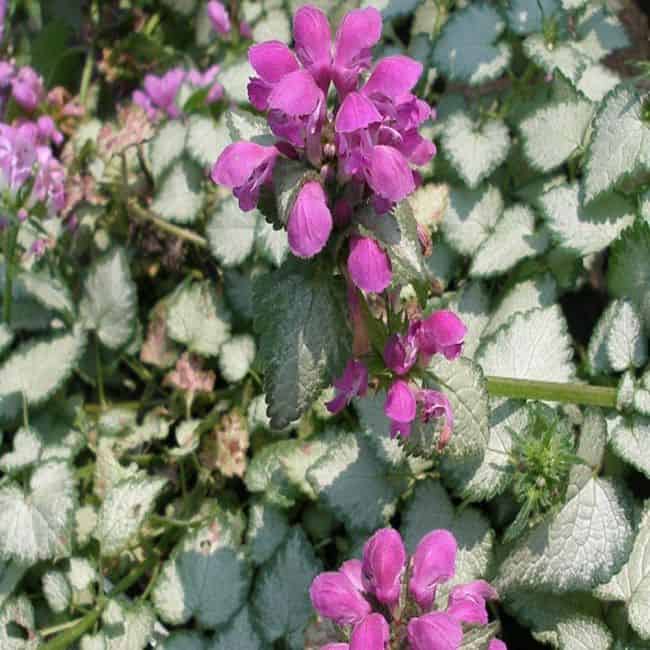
x,y
533,345
391,9
18,612
596,81
619,127
110,300
55,357
205,140
525,17
126,627
466,49
600,32
243,125
183,7
627,345
583,546
57,591
231,233
597,351
304,339
36,523
239,634
474,150
584,230
167,147
630,439
271,244
563,57
206,578
47,291
11,573
123,511
288,178
183,641
267,529
632,583
178,196
274,25
236,357
513,239
352,481
553,133
6,338
281,596
471,217
27,451
198,319
583,634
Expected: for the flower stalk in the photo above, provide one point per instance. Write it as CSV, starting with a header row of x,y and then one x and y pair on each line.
x,y
11,235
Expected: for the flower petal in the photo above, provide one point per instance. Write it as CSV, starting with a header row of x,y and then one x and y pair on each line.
x,y
372,633
310,221
434,562
393,77
369,265
384,560
356,112
435,631
389,174
467,603
272,60
335,597
313,37
400,404
296,94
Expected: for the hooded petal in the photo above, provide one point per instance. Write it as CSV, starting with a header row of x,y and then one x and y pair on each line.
x,y
434,562
400,404
310,221
369,265
467,603
311,32
356,112
389,174
384,560
393,77
272,60
335,597
352,569
296,94
218,17
372,633
353,382
497,644
435,631
442,332
400,353
416,149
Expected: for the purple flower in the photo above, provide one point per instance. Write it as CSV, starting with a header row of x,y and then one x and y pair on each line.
x,y
310,221
218,17
434,562
435,631
335,597
497,644
37,249
353,382
401,352
335,646
207,79
162,91
3,11
392,78
372,633
272,61
356,112
245,167
18,153
435,404
384,559
27,88
442,332
369,265
353,570
467,603
400,408
47,130
389,174
49,182
311,32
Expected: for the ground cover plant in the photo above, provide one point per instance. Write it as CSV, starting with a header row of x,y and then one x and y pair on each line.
x,y
324,325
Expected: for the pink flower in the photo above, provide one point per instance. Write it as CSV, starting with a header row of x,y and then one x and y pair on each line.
x,y
352,570
47,130
335,646
401,352
467,603
353,382
245,167
49,182
400,408
372,633
218,17
384,560
27,88
434,562
389,174
335,597
435,631
207,79
272,61
369,265
310,221
161,92
442,332
435,404
497,644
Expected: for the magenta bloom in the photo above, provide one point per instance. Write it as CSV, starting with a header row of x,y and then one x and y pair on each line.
x,y
435,404
310,221
27,88
401,352
353,382
18,153
389,174
442,332
434,562
245,167
49,182
161,93
369,265
335,646
372,633
467,603
435,631
272,61
218,17
497,644
400,408
47,130
335,597
353,570
355,113
384,560
207,79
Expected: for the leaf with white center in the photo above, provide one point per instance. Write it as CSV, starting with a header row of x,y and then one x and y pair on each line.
x,y
584,230
627,345
584,545
167,147
36,523
6,338
620,145
596,81
597,351
234,79
583,634
55,357
474,150
472,305
206,578
355,484
47,291
513,239
27,451
178,196
591,448
204,140
467,50
110,300
393,8
271,244
630,439
533,345
239,634
238,288
537,293
267,529
236,357
553,133
280,599
231,233
57,591
184,641
127,627
11,573
628,273
243,125
430,508
600,32
564,57
527,16
18,613
641,401
471,217
81,573
301,318
198,319
274,25
644,206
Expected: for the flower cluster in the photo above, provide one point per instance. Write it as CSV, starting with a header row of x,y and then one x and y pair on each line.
x,y
361,152
160,96
440,333
24,85
385,598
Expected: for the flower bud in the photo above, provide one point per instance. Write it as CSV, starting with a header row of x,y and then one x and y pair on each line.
x,y
435,631
400,408
467,603
401,353
335,597
372,633
442,332
310,221
384,558
434,562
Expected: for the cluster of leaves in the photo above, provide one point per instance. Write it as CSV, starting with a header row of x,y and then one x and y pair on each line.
x,y
169,473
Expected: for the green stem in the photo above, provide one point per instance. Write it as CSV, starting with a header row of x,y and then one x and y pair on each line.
x,y
100,374
86,76
139,212
11,236
582,394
